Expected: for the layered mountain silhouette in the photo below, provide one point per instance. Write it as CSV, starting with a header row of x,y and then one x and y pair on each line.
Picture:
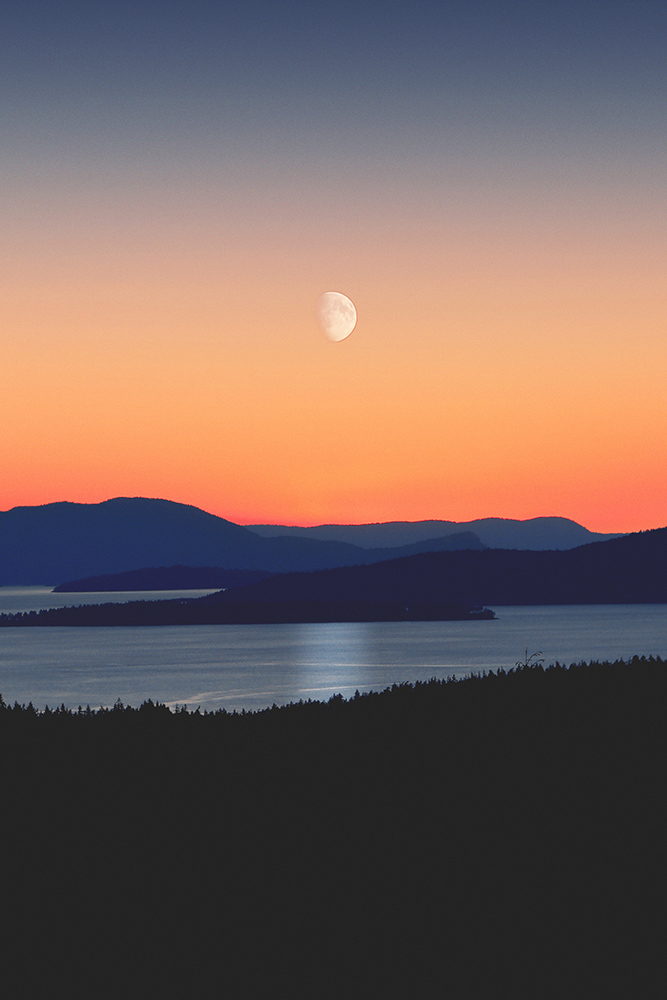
x,y
428,586
494,532
58,542
626,570
66,541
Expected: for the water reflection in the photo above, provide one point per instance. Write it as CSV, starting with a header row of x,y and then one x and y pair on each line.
x,y
332,658
266,664
253,666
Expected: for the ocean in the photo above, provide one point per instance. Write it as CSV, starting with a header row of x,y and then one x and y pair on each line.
x,y
255,666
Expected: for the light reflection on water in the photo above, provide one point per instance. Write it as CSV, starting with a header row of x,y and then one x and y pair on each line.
x,y
253,666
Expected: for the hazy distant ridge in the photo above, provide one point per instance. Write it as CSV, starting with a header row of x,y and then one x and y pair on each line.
x,y
69,541
429,586
493,532
56,542
66,541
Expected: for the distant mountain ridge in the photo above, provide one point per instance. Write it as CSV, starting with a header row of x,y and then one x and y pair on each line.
x,y
215,577
625,570
427,586
631,569
63,541
536,533
67,541
56,542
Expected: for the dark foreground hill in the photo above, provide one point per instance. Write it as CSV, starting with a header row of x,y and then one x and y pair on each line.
x,y
496,836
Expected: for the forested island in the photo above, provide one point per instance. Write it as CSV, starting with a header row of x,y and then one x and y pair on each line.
x,y
434,839
203,611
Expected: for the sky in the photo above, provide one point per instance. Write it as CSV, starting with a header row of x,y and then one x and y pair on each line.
x,y
486,181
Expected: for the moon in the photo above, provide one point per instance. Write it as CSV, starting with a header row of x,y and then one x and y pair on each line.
x,y
337,315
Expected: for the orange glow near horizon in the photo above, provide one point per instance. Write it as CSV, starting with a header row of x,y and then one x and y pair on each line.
x,y
509,357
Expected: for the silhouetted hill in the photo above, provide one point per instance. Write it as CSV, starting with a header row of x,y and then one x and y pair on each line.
x,y
493,532
626,570
430,586
68,541
445,839
457,541
164,578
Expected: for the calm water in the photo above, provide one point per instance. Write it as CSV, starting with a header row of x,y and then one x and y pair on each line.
x,y
252,666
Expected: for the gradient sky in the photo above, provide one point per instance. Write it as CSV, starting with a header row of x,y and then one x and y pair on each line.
x,y
487,181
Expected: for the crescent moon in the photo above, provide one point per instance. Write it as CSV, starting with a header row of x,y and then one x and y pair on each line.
x,y
337,315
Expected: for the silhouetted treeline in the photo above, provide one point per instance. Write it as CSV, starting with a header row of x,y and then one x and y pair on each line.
x,y
436,839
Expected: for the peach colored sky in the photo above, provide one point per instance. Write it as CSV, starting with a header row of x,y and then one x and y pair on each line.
x,y
159,289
